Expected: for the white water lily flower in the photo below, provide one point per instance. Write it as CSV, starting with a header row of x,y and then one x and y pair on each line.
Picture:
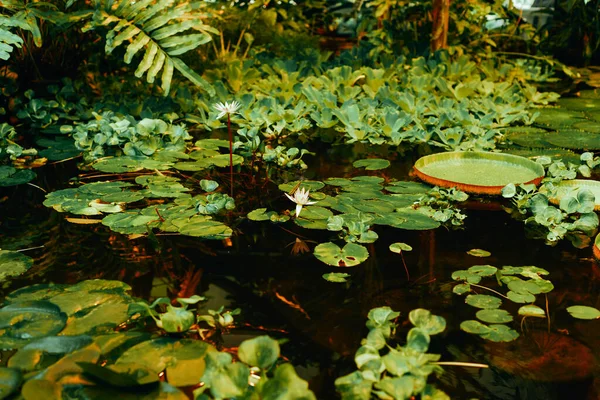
x,y
227,108
301,199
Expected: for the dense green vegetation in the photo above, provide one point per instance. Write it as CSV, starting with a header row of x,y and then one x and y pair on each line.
x,y
194,118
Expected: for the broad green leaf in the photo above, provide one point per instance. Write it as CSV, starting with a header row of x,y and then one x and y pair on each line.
x,y
13,263
261,352
426,321
532,310
286,385
352,254
584,312
479,253
184,357
496,316
10,381
399,247
483,301
337,277
23,322
372,164
10,176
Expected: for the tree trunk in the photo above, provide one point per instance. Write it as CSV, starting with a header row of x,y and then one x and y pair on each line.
x,y
440,16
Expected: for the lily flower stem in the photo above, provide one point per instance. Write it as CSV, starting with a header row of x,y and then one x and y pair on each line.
x,y
230,154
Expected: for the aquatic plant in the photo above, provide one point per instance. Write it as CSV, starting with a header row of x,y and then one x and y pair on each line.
x,y
229,109
300,197
520,291
174,319
396,372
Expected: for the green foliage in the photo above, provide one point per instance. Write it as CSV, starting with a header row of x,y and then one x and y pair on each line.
x,y
255,376
574,218
584,312
13,263
158,29
8,147
520,291
108,134
187,215
174,319
398,372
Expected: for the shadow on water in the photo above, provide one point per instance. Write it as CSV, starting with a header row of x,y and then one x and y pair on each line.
x,y
266,271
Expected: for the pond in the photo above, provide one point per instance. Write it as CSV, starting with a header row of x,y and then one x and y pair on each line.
x,y
269,272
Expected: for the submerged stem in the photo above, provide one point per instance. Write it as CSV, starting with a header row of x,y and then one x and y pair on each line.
x,y
487,288
230,154
461,364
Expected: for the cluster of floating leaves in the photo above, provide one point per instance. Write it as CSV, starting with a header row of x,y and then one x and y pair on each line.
x,y
186,214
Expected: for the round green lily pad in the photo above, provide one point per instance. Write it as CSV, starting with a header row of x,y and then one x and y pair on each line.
x,y
477,172
534,139
575,139
261,352
483,301
371,164
23,322
330,253
496,316
13,263
337,277
557,117
584,312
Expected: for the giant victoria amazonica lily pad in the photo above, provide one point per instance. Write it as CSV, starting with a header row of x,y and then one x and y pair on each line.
x,y
478,172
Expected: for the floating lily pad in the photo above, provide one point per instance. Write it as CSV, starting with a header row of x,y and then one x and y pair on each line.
x,y
10,381
307,185
557,117
58,149
496,316
23,322
494,333
330,253
129,164
534,139
337,277
584,312
588,126
426,321
13,263
531,310
478,172
403,187
399,247
483,301
10,176
579,104
184,358
479,253
575,139
371,164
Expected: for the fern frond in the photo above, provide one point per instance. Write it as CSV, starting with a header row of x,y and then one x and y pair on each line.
x,y
162,28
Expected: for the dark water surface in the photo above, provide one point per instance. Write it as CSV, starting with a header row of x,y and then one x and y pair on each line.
x,y
284,295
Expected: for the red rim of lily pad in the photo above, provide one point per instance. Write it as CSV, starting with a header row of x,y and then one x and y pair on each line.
x,y
578,184
494,171
596,247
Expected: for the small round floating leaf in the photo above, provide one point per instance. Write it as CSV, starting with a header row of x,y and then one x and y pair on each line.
x,y
371,164
402,187
520,298
483,301
13,263
532,310
479,253
461,288
500,333
259,214
208,185
411,220
476,327
462,275
426,321
584,312
482,270
494,316
337,277
261,352
399,247
315,212
330,253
